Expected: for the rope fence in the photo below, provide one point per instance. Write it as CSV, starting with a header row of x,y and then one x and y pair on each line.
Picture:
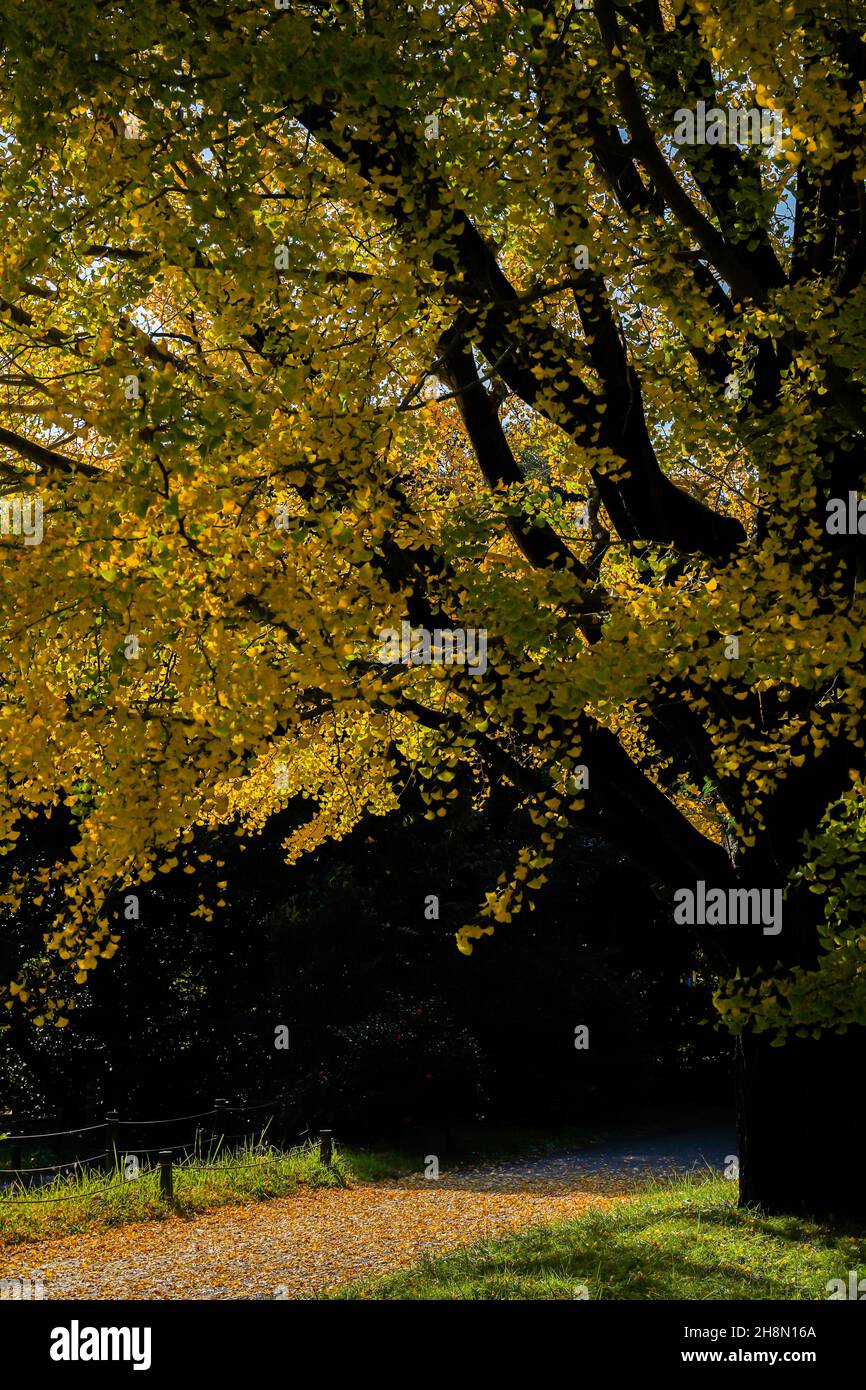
x,y
221,1107
118,1149
70,1197
176,1120
51,1134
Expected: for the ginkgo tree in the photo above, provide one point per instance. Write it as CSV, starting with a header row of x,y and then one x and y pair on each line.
x,y
318,319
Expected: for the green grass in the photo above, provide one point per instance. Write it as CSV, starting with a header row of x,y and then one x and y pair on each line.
x,y
95,1201
368,1165
685,1239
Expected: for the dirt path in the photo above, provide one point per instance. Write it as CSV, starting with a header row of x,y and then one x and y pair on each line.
x,y
295,1247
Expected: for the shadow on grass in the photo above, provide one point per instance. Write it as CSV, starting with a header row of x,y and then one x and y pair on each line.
x,y
795,1229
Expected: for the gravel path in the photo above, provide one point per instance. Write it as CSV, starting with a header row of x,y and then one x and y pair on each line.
x,y
632,1160
298,1246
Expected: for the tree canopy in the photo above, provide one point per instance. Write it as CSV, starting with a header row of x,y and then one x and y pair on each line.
x,y
321,319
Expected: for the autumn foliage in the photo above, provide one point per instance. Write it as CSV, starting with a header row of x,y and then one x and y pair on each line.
x,y
321,319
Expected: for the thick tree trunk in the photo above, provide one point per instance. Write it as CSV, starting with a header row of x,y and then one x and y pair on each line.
x,y
799,1115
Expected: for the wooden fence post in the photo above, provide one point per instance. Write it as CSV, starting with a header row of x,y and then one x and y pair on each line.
x,y
166,1180
111,1138
326,1146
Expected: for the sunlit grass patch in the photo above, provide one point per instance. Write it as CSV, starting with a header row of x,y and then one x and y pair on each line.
x,y
685,1239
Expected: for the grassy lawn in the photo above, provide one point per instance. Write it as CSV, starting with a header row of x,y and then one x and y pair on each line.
x,y
679,1240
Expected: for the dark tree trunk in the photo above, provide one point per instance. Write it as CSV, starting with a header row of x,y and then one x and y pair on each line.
x,y
799,1115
